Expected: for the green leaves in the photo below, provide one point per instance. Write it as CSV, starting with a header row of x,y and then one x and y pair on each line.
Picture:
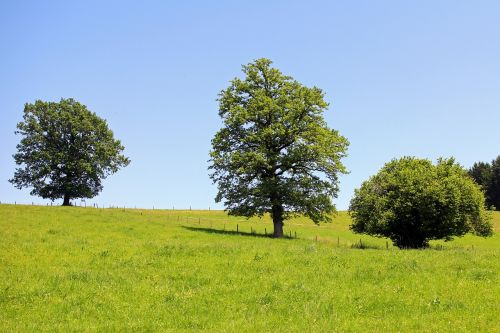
x,y
275,149
488,177
65,150
412,201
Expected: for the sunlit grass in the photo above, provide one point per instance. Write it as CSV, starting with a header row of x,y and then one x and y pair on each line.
x,y
85,269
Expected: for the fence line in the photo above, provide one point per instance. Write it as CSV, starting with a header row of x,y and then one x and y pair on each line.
x,y
100,206
289,233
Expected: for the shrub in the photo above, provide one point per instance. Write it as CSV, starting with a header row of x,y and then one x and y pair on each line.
x,y
411,201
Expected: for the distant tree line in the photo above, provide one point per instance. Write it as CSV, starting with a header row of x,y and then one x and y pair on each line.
x,y
487,175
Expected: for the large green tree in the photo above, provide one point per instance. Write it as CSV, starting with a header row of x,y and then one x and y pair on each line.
x,y
275,153
488,176
411,201
65,151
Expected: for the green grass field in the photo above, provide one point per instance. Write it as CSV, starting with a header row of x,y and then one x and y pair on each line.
x,y
85,269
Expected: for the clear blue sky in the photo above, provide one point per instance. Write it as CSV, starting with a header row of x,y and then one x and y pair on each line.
x,y
415,78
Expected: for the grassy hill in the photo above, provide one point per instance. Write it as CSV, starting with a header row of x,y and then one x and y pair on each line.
x,y
86,269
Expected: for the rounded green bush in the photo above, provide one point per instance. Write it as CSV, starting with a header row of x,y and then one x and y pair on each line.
x,y
411,201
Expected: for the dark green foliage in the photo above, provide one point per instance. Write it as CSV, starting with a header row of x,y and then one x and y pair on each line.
x,y
488,176
493,192
65,151
275,153
481,173
412,201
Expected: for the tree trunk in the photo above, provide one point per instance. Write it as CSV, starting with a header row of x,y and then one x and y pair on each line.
x,y
277,215
278,229
66,200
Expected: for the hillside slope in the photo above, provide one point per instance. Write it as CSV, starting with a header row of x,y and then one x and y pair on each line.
x,y
85,269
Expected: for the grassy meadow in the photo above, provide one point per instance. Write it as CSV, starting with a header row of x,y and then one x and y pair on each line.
x,y
85,269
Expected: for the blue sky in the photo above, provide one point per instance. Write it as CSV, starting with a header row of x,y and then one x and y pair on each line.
x,y
415,78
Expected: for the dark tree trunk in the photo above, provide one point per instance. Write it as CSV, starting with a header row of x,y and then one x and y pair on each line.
x,y
278,229
277,215
66,200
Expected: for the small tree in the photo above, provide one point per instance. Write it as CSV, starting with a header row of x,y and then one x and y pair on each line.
x,y
275,153
65,151
412,201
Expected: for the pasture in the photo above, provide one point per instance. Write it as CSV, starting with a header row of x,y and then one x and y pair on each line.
x,y
86,269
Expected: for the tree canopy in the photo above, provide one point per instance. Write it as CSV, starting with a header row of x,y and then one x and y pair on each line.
x,y
412,201
65,151
487,175
275,153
